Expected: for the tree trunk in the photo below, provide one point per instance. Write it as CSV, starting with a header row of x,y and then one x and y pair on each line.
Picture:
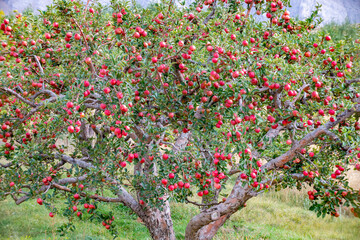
x,y
159,223
208,232
205,225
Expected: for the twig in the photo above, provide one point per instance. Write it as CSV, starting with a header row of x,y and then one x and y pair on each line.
x,y
41,69
248,12
211,15
202,204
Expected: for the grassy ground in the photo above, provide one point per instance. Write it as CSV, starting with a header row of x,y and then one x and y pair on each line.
x,y
277,216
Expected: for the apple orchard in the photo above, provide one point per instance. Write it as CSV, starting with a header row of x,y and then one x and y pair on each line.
x,y
144,107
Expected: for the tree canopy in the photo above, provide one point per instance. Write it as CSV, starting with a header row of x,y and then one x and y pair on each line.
x,y
142,106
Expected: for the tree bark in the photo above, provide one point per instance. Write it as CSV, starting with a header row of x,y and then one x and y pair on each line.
x,y
159,223
205,225
208,232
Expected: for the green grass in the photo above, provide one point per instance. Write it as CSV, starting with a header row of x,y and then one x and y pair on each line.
x,y
277,216
268,218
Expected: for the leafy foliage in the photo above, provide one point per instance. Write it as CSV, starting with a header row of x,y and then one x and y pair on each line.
x,y
170,102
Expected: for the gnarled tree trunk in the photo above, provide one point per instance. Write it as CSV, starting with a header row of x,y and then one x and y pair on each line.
x,y
208,232
159,223
205,225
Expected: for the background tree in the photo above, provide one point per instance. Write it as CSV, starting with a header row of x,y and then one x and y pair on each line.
x,y
169,103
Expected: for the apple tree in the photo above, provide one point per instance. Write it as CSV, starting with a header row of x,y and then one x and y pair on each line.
x,y
121,104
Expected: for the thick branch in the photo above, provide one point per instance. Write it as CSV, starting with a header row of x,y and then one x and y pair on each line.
x,y
8,90
95,197
80,162
51,93
123,195
224,210
239,195
305,141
